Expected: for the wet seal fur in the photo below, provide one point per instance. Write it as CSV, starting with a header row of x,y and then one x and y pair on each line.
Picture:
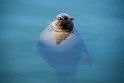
x,y
62,27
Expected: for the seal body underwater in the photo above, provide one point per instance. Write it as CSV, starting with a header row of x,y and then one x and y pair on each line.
x,y
61,47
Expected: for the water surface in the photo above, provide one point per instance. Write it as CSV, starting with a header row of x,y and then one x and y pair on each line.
x,y
99,23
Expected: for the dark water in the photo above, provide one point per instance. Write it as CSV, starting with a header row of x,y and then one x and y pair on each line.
x,y
99,23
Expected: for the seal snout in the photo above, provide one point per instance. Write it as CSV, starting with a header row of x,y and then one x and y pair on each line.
x,y
63,20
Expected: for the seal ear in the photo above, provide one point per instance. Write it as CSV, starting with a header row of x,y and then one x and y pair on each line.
x,y
72,18
53,19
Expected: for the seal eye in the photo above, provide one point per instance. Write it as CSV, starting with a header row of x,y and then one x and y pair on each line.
x,y
65,18
59,18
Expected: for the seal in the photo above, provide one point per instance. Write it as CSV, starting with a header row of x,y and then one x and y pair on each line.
x,y
61,47
62,26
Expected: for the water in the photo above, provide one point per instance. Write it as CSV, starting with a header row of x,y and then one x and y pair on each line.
x,y
99,23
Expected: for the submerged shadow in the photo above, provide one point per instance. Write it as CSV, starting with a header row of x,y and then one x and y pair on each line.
x,y
65,62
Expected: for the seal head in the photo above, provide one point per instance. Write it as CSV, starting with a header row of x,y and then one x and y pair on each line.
x,y
62,27
63,22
